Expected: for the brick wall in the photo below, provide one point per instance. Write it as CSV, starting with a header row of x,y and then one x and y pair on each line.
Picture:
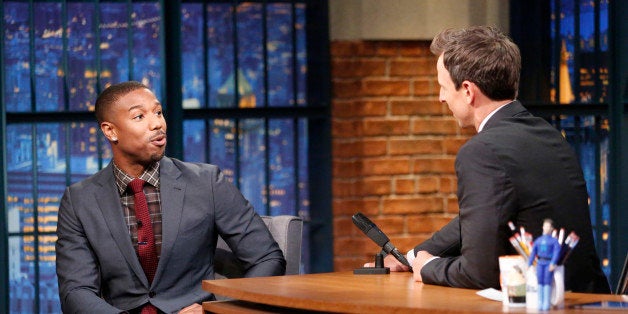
x,y
394,146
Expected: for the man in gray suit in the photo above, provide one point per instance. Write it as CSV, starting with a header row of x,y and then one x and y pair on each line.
x,y
516,168
102,244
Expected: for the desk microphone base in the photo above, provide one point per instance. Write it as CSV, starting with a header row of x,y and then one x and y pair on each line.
x,y
371,271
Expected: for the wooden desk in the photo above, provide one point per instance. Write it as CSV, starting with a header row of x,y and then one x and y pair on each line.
x,y
348,293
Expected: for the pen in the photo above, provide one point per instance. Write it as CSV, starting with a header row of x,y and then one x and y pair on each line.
x,y
561,236
568,246
522,238
526,240
515,243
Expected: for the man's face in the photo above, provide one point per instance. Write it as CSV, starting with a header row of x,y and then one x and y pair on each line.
x,y
137,122
455,99
547,227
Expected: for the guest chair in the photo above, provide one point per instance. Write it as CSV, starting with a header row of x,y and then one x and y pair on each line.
x,y
622,284
286,230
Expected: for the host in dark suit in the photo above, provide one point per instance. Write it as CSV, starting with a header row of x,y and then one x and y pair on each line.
x,y
516,168
98,267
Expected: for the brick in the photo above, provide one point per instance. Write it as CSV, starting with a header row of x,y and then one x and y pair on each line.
x,y
369,108
414,147
425,87
375,147
440,126
404,186
448,185
366,49
345,227
442,165
413,67
343,48
358,108
378,87
354,48
370,186
348,207
452,205
469,131
452,145
427,224
346,128
411,205
374,127
342,108
359,148
343,188
415,107
345,168
387,166
415,49
428,184
390,225
346,88
346,148
353,246
358,68
386,48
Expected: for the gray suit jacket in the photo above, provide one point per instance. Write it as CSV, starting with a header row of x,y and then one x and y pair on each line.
x,y
98,268
519,169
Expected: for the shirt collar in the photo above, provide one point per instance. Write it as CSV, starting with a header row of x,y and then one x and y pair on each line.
x,y
150,175
490,115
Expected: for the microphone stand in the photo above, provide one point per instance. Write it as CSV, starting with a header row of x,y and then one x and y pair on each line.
x,y
379,268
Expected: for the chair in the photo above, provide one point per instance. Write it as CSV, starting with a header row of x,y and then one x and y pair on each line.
x,y
286,230
622,284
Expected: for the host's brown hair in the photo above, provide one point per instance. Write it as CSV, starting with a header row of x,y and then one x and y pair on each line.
x,y
111,95
482,55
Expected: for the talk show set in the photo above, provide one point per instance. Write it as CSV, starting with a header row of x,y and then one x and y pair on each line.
x,y
314,156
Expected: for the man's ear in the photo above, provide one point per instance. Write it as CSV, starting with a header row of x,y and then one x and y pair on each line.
x,y
109,131
470,90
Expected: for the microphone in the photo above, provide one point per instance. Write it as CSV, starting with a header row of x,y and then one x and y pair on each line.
x,y
375,234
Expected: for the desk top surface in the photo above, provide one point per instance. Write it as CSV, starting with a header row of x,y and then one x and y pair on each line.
x,y
393,293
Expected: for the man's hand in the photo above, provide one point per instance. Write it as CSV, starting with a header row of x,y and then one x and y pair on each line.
x,y
192,309
418,262
391,262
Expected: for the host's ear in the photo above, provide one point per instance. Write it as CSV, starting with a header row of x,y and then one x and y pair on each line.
x,y
109,130
470,89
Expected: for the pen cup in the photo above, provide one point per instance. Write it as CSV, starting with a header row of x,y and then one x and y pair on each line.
x,y
558,287
512,274
532,289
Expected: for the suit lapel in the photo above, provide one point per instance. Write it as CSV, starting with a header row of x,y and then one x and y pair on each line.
x,y
108,200
172,191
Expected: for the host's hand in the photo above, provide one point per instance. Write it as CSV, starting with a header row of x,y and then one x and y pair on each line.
x,y
392,263
417,264
192,309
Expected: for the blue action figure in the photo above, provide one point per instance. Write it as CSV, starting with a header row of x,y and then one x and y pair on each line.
x,y
547,250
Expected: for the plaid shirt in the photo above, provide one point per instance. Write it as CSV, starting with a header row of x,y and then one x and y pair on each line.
x,y
151,189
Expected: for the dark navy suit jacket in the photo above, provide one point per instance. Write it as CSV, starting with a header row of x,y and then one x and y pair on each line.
x,y
518,168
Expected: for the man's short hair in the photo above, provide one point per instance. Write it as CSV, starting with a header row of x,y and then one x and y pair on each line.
x,y
110,96
482,55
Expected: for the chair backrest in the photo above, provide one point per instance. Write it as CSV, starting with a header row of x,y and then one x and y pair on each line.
x,y
622,284
286,230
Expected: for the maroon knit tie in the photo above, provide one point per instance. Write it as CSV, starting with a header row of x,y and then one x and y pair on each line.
x,y
145,236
